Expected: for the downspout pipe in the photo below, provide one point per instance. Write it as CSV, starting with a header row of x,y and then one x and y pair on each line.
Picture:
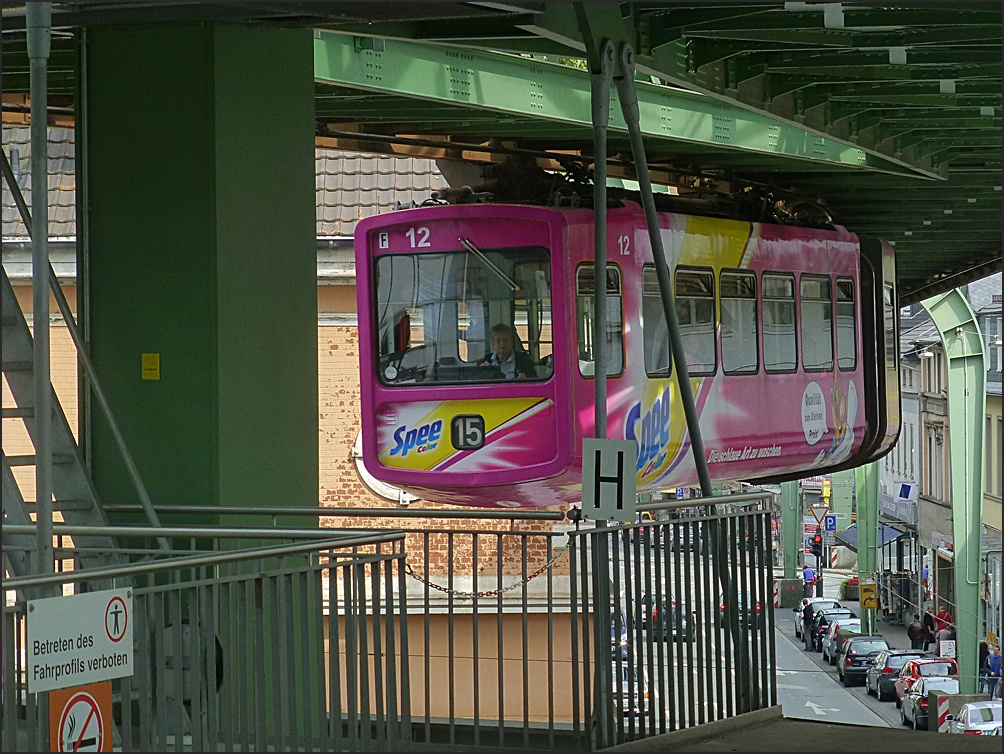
x,y
39,30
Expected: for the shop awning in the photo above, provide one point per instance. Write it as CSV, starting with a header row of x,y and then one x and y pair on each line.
x,y
849,536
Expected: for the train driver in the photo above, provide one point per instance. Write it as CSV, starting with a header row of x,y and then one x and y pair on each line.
x,y
512,364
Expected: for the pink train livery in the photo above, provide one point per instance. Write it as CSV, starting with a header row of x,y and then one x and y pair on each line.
x,y
789,335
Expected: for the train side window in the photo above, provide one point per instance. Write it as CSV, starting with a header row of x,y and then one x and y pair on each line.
x,y
846,325
695,309
816,323
778,313
655,332
585,281
739,327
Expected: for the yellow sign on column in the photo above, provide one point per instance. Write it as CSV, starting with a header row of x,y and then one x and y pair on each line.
x,y
151,366
869,595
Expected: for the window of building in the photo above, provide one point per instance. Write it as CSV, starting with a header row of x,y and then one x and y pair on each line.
x,y
739,326
816,323
778,310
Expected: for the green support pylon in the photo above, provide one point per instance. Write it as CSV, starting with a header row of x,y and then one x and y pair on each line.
x,y
791,528
967,403
867,491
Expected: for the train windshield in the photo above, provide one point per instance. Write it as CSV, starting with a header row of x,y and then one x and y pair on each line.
x,y
475,315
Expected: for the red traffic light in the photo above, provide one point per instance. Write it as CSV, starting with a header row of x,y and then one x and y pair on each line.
x,y
817,539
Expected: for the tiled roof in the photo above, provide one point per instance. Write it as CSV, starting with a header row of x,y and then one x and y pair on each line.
x,y
350,185
62,182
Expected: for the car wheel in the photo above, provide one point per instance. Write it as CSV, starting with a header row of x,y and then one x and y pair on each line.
x,y
902,717
868,689
899,703
826,656
846,680
878,693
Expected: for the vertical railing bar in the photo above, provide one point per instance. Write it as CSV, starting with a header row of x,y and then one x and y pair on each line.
x,y
652,635
312,655
525,630
10,700
198,649
245,630
589,630
745,660
394,735
619,665
302,613
696,713
280,653
406,727
378,619
573,623
548,550
225,709
177,709
475,650
426,680
351,654
261,605
359,613
680,689
500,635
335,720
451,652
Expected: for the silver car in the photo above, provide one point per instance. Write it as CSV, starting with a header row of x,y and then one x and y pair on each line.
x,y
913,709
977,719
818,603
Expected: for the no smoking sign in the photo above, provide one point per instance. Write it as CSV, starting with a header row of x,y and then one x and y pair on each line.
x,y
80,718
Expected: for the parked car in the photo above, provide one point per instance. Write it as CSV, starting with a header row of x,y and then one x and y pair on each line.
x,y
631,692
856,655
836,634
880,678
822,621
922,667
751,613
670,619
977,719
818,603
913,709
687,535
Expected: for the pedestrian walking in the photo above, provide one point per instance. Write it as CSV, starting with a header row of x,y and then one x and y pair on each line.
x,y
809,578
994,672
928,627
984,669
942,619
807,615
916,633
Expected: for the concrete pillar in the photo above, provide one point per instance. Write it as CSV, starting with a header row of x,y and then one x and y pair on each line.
x,y
198,261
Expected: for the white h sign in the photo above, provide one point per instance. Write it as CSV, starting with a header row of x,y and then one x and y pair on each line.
x,y
608,479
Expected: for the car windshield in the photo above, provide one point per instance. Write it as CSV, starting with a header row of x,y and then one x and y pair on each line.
x,y
935,668
864,647
951,685
987,714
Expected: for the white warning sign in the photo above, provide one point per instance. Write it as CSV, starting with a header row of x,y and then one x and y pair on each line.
x,y
80,639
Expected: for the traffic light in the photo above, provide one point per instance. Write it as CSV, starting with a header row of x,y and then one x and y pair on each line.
x,y
817,545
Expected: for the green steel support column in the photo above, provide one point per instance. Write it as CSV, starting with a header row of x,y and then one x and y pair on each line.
x,y
201,256
841,497
967,398
867,482
791,528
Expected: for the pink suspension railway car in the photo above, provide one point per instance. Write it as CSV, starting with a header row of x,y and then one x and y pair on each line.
x,y
790,337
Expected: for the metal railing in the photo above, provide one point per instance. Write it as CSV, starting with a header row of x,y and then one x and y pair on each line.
x,y
291,646
484,637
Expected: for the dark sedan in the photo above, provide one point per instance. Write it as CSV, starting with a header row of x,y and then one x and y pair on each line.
x,y
880,678
856,655
822,621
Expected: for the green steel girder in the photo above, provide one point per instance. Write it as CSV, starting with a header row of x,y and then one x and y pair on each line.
x,y
966,359
540,90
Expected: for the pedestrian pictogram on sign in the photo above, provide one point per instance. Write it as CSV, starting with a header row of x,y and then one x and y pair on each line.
x,y
80,718
116,618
